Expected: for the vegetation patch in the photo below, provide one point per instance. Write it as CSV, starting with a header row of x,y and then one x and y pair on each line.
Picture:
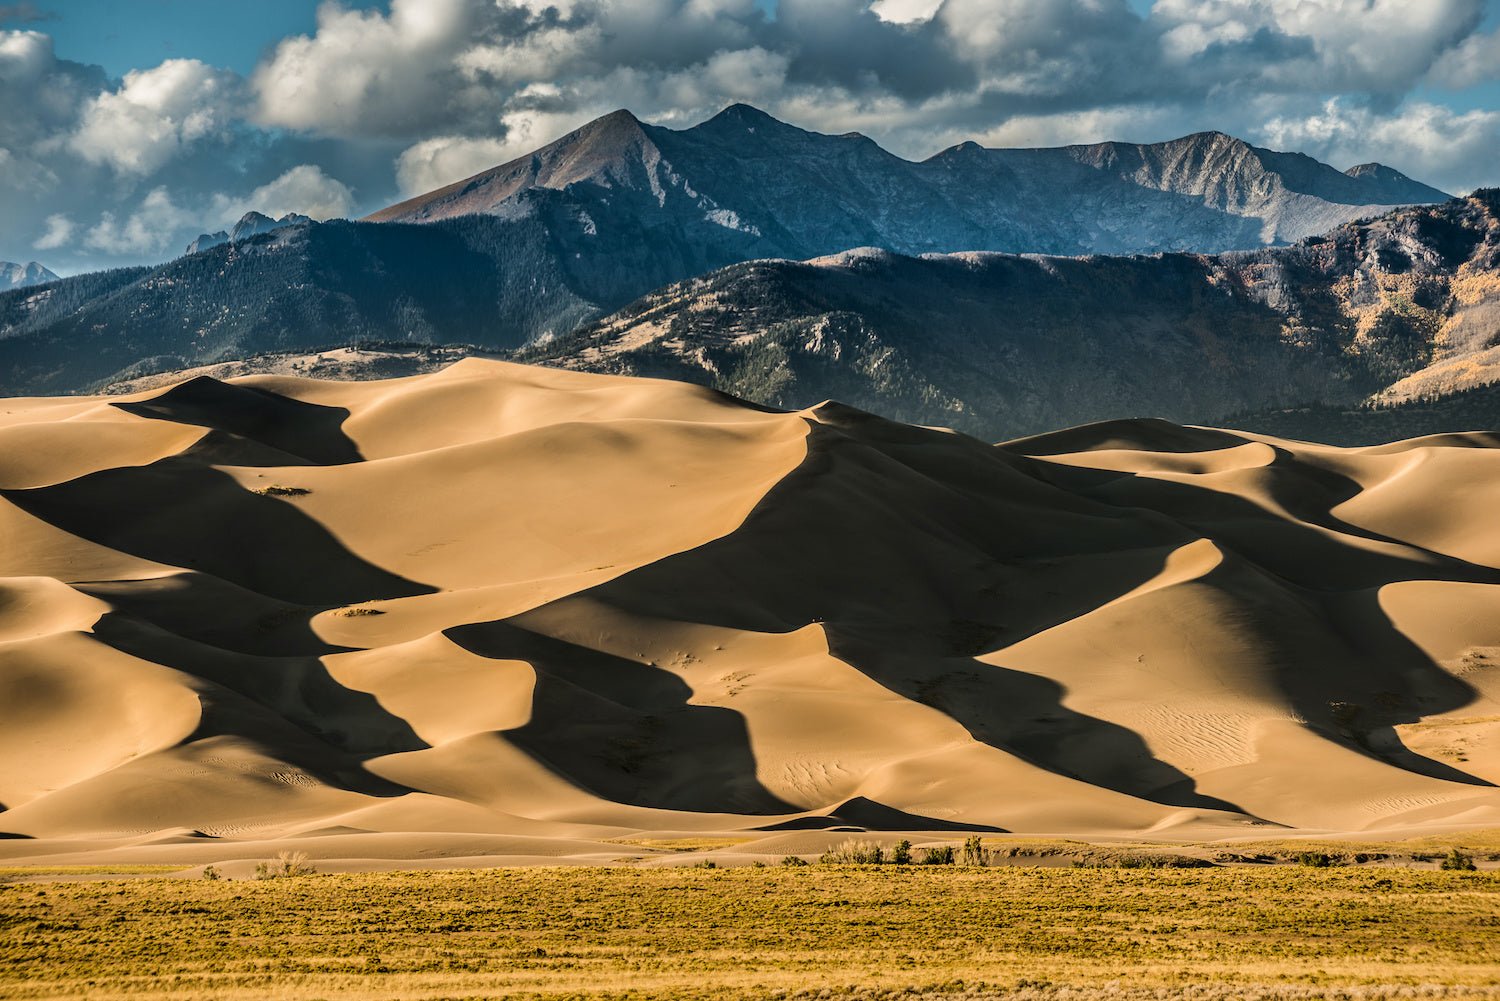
x,y
286,865
683,844
691,934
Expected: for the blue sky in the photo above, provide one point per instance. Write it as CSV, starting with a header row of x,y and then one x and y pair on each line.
x,y
122,35
132,125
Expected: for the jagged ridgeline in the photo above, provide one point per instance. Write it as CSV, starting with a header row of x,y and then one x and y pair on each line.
x,y
535,248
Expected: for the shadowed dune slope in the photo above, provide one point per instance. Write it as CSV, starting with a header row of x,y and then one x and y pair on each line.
x,y
511,601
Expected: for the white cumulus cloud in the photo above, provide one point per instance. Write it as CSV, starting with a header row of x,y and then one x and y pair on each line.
x,y
59,231
304,189
1475,61
1422,139
154,114
434,163
365,72
155,225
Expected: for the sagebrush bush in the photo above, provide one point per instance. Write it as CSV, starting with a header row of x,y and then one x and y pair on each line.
x,y
1457,861
286,865
853,852
975,853
937,856
793,860
901,852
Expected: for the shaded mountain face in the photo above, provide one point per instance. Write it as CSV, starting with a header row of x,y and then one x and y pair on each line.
x,y
283,605
22,275
500,282
787,192
1000,345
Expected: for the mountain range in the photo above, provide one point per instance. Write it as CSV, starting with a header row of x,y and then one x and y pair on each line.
x,y
745,183
1354,334
22,275
537,248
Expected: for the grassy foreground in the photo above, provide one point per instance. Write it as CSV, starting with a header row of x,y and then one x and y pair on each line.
x,y
854,932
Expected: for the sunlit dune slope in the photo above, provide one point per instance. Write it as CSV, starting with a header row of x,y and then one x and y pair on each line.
x,y
505,600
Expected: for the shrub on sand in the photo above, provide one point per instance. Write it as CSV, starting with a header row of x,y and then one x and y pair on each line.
x,y
853,852
286,865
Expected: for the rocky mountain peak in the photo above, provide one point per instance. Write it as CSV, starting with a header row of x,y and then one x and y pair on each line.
x,y
250,224
742,114
22,275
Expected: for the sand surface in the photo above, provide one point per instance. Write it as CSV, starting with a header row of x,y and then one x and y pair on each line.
x,y
519,613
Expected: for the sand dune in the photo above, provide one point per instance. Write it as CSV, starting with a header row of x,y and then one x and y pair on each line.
x,y
531,612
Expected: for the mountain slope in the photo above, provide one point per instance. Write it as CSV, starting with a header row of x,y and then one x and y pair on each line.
x,y
21,275
283,606
997,345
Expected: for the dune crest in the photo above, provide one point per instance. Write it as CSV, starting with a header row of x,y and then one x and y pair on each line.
x,y
511,601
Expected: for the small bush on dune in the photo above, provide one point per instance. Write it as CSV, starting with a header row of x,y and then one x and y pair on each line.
x,y
285,866
853,852
1457,861
209,872
901,853
937,856
791,861
975,853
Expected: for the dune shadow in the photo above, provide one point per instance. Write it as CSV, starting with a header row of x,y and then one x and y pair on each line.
x,y
182,513
1024,715
1296,581
258,570
624,730
864,814
287,703
282,426
820,548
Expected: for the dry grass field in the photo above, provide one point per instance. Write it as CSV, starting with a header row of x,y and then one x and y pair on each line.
x,y
817,931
